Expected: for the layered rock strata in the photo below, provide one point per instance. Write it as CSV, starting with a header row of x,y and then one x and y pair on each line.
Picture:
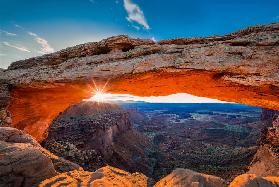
x,y
23,162
95,134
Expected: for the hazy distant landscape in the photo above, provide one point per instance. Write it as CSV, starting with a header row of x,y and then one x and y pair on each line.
x,y
217,139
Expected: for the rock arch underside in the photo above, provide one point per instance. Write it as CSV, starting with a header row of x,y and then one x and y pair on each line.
x,y
241,67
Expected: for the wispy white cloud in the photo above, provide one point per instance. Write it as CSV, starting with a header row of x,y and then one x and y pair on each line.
x,y
136,27
153,39
7,33
135,14
20,48
18,26
45,47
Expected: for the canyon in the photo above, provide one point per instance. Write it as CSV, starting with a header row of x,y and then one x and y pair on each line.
x,y
94,135
240,67
219,139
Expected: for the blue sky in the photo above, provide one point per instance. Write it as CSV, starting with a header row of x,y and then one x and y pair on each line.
x,y
32,27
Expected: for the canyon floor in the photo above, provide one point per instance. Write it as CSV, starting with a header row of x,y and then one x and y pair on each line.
x,y
218,139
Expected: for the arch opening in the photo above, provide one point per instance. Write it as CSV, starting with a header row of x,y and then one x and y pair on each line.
x,y
33,109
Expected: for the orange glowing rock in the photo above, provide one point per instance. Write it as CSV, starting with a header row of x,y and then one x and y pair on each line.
x,y
105,177
251,180
33,109
185,177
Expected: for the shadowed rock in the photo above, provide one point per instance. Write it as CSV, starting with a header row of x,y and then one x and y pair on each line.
x,y
23,162
95,134
265,162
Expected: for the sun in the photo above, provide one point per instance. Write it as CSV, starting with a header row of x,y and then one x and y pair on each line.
x,y
99,96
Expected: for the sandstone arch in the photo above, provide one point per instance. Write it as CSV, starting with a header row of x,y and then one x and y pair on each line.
x,y
240,67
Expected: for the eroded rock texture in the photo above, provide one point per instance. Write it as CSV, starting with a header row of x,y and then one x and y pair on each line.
x,y
251,180
21,161
266,160
103,177
5,117
185,177
24,163
95,134
240,67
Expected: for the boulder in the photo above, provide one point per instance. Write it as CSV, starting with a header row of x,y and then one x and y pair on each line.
x,y
23,162
251,180
188,178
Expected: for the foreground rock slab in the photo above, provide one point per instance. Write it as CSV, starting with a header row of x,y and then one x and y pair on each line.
x,y
251,180
185,177
23,162
104,177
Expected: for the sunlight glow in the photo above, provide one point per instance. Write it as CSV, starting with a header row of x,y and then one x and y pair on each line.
x,y
174,98
99,95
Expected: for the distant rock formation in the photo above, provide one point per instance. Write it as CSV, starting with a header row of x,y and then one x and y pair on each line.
x,y
239,67
95,134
